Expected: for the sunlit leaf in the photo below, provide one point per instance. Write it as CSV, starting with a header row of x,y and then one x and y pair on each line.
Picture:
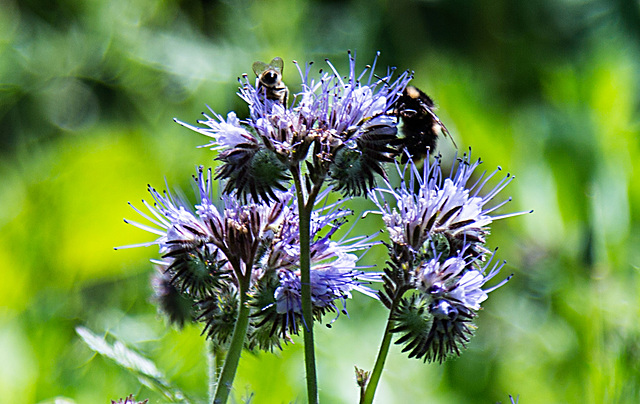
x,y
145,369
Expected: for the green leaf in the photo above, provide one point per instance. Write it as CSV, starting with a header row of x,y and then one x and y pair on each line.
x,y
142,367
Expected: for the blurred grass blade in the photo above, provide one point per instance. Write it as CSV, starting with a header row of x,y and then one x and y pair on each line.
x,y
144,368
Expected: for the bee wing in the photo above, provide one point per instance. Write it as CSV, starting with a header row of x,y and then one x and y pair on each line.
x,y
260,67
277,63
444,129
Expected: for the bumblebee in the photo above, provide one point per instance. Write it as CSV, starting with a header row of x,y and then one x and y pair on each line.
x,y
420,125
270,79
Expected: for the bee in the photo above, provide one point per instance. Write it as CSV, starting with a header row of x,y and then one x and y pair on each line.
x,y
270,78
420,125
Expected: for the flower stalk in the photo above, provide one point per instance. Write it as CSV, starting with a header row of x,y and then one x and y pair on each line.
x,y
376,373
305,208
215,357
228,373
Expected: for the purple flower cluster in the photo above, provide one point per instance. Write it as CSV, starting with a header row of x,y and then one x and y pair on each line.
x,y
437,228
349,123
334,270
262,262
344,128
207,249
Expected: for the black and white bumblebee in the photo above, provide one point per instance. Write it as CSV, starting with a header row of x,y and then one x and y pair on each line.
x,y
420,125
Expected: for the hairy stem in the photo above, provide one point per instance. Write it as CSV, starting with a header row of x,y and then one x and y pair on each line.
x,y
304,212
374,379
230,366
215,360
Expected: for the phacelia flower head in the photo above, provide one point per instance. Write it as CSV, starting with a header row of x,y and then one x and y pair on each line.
x,y
436,321
206,250
200,244
334,271
437,228
347,120
249,167
428,206
190,255
331,283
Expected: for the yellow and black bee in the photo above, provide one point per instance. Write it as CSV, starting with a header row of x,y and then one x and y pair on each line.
x,y
420,125
270,79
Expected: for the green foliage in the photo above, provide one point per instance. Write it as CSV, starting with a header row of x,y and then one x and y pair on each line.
x,y
142,367
546,89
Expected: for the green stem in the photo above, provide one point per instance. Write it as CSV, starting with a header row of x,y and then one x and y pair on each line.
x,y
372,384
219,359
228,373
304,214
215,362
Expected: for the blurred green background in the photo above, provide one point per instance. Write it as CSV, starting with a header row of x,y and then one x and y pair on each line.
x,y
547,89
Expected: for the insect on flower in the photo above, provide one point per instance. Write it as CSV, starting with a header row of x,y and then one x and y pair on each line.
x,y
270,78
420,125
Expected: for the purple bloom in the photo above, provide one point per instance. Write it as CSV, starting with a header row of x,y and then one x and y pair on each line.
x,y
330,281
206,250
231,235
428,205
457,281
225,135
334,271
331,109
437,321
349,122
437,228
